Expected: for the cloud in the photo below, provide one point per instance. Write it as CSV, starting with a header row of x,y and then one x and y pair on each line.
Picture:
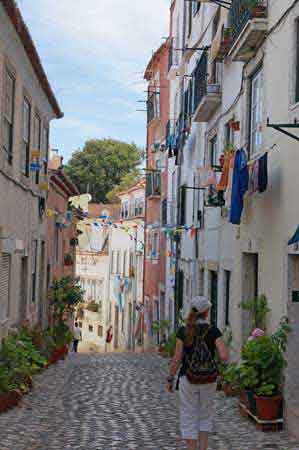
x,y
95,53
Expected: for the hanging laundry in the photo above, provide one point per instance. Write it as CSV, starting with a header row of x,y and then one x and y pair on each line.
x,y
223,182
263,173
253,173
239,186
207,177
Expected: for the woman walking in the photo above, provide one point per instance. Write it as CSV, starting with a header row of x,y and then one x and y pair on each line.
x,y
195,351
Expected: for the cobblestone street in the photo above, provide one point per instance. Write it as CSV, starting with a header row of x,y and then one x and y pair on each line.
x,y
116,401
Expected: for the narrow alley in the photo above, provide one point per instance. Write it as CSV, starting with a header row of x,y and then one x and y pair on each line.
x,y
117,401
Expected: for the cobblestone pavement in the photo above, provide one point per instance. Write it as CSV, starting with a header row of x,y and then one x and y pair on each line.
x,y
117,401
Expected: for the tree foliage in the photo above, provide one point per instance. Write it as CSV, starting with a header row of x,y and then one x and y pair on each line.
x,y
126,182
102,165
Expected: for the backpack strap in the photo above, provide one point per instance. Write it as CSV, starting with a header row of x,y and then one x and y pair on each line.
x,y
201,337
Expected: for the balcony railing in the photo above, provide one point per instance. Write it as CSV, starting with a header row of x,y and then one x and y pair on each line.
x,y
153,184
170,55
200,80
207,96
249,17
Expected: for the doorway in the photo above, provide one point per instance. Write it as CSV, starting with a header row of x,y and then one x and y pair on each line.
x,y
292,380
41,289
250,288
130,328
23,289
214,297
116,326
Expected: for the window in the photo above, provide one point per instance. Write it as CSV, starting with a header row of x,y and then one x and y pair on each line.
x,y
297,64
118,262
125,263
183,205
229,134
256,114
25,149
45,140
8,116
90,328
125,210
37,142
190,14
214,151
155,245
33,270
164,211
100,331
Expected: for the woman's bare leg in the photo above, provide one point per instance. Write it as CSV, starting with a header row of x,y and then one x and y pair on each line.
x,y
191,444
203,440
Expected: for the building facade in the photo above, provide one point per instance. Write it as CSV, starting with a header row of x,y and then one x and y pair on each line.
x,y
27,107
92,269
126,276
61,227
231,143
158,305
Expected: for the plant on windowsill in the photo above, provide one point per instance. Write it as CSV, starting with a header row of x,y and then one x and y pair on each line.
x,y
257,8
68,259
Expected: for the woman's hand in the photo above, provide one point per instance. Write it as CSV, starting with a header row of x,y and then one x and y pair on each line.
x,y
169,387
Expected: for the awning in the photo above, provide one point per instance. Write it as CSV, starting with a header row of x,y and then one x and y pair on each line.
x,y
295,237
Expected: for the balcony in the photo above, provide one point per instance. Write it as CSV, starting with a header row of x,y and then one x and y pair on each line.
x,y
153,184
153,108
249,25
207,96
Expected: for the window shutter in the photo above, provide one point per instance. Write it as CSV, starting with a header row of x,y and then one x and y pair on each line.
x,y
4,285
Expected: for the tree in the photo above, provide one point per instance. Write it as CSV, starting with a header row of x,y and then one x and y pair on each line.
x,y
101,165
126,182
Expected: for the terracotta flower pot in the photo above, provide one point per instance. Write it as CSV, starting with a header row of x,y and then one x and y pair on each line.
x,y
14,397
229,390
251,401
258,11
268,408
243,398
4,402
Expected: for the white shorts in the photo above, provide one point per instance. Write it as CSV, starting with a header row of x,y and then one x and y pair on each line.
x,y
197,408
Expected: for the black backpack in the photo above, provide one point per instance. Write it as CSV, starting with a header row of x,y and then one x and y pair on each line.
x,y
200,365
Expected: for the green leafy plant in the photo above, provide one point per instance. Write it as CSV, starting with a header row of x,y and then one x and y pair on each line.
x,y
264,357
160,326
231,375
248,377
66,293
258,309
280,337
170,345
266,390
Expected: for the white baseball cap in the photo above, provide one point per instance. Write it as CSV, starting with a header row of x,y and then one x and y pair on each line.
x,y
201,304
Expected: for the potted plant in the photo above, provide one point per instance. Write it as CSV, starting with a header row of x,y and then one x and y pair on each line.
x,y
248,383
68,259
258,309
264,355
231,380
257,8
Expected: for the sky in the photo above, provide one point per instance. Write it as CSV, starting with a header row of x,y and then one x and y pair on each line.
x,y
94,53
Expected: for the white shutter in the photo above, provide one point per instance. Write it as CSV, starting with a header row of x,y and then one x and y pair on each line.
x,y
4,285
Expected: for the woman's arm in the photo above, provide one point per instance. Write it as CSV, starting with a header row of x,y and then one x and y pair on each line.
x,y
175,364
222,349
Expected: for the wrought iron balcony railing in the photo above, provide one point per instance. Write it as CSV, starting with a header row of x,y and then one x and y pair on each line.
x,y
242,11
200,80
